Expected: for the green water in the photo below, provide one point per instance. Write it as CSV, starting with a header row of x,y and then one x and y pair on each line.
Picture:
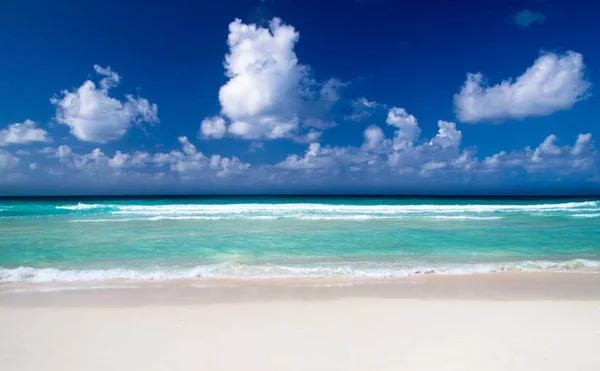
x,y
278,237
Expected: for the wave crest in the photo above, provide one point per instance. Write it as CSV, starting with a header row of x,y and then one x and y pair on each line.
x,y
246,272
81,206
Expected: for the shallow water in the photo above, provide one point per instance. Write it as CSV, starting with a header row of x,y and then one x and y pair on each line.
x,y
279,237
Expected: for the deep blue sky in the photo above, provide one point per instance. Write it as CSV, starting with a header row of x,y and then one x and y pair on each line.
x,y
412,55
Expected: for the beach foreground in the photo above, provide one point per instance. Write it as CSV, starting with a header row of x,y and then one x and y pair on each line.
x,y
521,321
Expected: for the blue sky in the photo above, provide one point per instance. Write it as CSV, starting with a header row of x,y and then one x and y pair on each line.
x,y
359,96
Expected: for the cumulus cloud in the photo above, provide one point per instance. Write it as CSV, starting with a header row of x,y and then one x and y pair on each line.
x,y
213,127
447,135
264,78
319,157
374,137
407,125
94,116
269,94
526,18
23,133
548,156
187,162
553,83
401,153
7,160
438,155
398,159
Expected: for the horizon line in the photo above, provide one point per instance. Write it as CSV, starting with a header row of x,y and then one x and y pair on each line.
x,y
299,195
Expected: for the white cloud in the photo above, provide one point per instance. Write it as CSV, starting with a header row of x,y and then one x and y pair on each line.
x,y
317,124
438,155
7,160
549,156
33,166
111,78
93,116
310,160
401,156
526,18
23,133
120,160
256,146
329,93
264,77
444,148
374,137
317,157
554,82
408,127
186,162
269,95
213,127
311,136
447,135
361,109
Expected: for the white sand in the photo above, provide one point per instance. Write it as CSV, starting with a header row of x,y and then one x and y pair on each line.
x,y
102,330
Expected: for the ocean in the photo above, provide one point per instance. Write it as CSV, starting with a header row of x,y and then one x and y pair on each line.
x,y
96,239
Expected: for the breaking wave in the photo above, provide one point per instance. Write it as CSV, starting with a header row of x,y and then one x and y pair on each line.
x,y
81,206
317,211
249,272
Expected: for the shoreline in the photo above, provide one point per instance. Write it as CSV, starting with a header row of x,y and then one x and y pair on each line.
x,y
345,271
504,286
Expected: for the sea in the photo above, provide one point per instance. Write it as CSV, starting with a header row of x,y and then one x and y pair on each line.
x,y
93,239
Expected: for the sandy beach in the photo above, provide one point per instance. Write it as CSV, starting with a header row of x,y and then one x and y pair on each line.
x,y
487,322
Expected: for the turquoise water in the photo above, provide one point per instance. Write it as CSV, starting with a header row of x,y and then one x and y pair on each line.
x,y
278,237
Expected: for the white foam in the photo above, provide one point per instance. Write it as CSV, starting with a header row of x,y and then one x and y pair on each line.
x,y
342,217
81,206
285,209
157,218
586,215
64,288
464,217
269,217
316,211
246,272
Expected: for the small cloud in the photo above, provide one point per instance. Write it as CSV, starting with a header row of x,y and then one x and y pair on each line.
x,y
213,127
256,146
526,18
23,133
361,109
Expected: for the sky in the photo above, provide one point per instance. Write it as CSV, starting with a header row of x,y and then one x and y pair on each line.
x,y
299,96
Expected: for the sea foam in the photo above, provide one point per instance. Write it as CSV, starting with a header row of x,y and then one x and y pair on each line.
x,y
317,211
250,272
81,206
